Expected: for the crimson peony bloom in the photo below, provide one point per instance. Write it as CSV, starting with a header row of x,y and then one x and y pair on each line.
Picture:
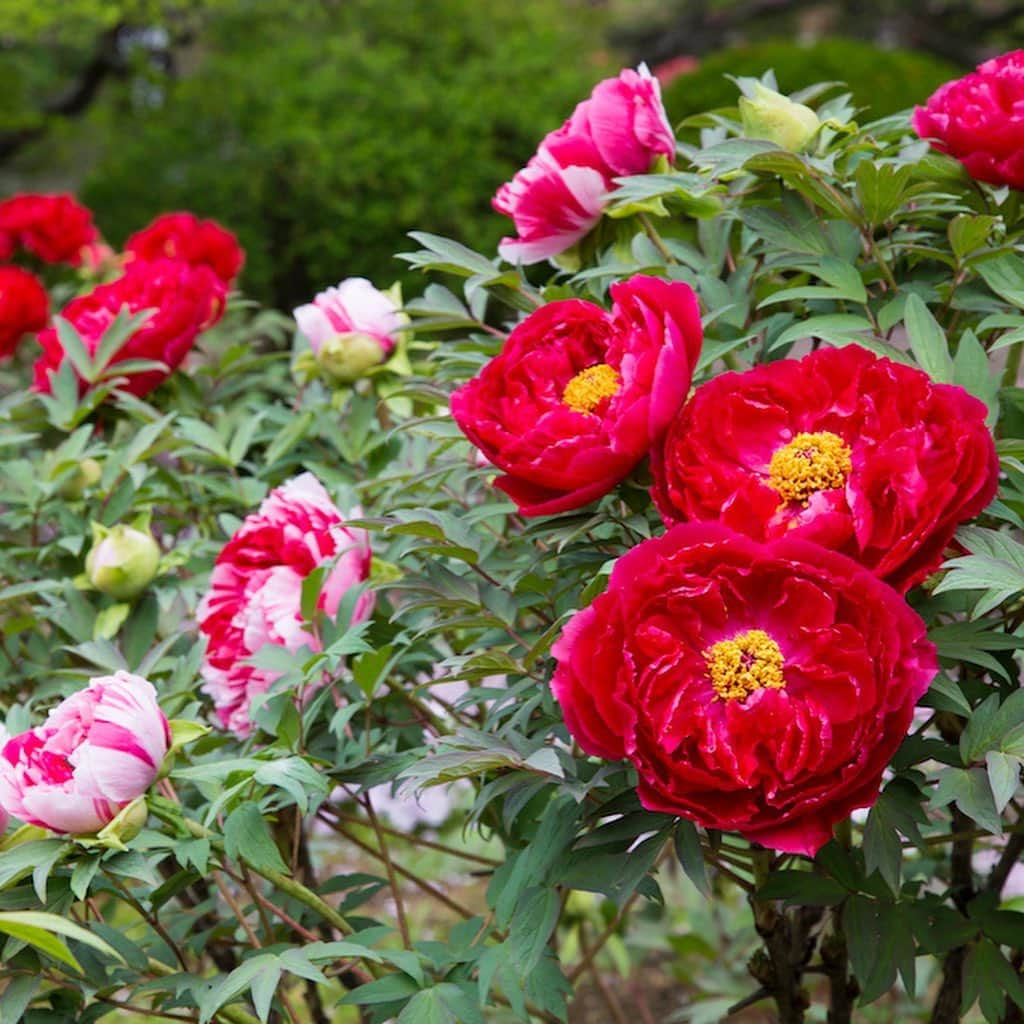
x,y
24,307
98,750
858,453
577,396
185,300
255,593
757,688
183,236
560,194
53,227
979,119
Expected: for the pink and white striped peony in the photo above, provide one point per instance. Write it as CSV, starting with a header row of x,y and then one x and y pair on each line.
x,y
255,595
96,752
560,195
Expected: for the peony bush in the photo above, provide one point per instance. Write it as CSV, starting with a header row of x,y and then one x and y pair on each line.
x,y
634,634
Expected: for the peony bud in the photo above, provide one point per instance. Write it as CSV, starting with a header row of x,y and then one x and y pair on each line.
x,y
123,560
85,475
772,116
346,357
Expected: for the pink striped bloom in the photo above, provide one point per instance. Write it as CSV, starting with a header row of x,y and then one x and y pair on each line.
x,y
96,752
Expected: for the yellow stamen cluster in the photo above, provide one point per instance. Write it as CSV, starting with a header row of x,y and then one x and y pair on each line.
x,y
749,661
808,464
590,387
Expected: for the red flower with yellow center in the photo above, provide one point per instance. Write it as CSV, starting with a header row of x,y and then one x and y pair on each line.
x,y
861,454
578,395
759,688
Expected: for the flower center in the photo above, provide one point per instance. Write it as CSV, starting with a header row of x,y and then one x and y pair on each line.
x,y
749,661
809,463
590,387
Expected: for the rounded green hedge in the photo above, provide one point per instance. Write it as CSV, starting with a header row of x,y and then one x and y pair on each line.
x,y
322,139
883,82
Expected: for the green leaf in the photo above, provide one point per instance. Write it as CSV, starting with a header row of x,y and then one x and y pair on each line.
x,y
880,189
20,860
390,989
982,731
247,836
122,327
801,888
1003,776
225,989
294,775
16,997
972,372
686,839
371,667
835,328
927,340
40,929
843,283
1005,276
881,942
74,349
969,232
969,788
427,1007
989,977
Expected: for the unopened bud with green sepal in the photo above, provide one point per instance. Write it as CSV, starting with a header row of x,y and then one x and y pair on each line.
x,y
85,475
771,115
123,560
346,357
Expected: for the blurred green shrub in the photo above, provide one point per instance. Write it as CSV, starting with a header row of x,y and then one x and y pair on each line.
x,y
322,136
882,81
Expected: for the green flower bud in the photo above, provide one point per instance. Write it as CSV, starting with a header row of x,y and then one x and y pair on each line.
x,y
346,357
772,116
87,473
123,560
122,829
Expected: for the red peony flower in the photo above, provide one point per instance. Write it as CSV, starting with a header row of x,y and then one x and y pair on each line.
x,y
24,307
185,300
558,197
577,396
858,453
979,119
183,236
757,688
53,227
255,595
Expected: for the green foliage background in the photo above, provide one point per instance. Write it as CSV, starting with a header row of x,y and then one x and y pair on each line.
x,y
322,141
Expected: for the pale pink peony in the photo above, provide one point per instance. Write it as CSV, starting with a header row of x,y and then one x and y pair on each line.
x,y
561,193
256,590
98,750
354,307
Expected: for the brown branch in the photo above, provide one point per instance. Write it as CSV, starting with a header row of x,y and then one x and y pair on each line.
x,y
842,988
947,1003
